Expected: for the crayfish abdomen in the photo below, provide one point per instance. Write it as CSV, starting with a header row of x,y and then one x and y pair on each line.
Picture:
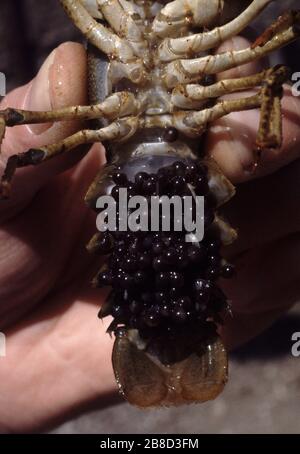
x,y
164,299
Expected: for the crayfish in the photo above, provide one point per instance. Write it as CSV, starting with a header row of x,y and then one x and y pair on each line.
x,y
152,96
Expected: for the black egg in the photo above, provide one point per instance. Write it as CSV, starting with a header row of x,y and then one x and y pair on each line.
x,y
135,306
179,167
174,292
213,246
181,262
115,192
178,185
181,248
120,178
115,262
147,297
149,187
167,239
227,271
131,191
201,185
202,285
161,297
151,318
153,177
191,173
212,273
140,278
104,279
184,302
202,297
136,246
144,261
159,264
162,280
148,242
124,280
170,134
163,172
214,260
117,311
130,263
158,247
105,244
170,256
140,179
165,310
176,279
162,185
179,315
196,254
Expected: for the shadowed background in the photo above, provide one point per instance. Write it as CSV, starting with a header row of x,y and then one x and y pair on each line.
x,y
263,394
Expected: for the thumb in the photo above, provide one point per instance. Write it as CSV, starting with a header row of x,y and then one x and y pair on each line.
x,y
61,82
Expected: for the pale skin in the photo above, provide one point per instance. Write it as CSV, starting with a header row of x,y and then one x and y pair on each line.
x,y
59,356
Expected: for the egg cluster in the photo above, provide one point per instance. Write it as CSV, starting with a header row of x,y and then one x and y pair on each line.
x,y
159,281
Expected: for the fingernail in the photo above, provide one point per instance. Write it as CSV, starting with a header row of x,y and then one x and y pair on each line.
x,y
39,95
232,149
244,146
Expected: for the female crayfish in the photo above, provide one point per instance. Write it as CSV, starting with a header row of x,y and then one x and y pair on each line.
x,y
153,94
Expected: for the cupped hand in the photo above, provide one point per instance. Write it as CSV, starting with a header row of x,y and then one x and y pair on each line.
x,y
58,354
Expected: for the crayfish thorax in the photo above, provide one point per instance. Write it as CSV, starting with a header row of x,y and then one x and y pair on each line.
x,y
164,298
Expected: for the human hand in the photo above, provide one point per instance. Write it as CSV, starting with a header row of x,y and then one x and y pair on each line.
x,y
58,353
58,358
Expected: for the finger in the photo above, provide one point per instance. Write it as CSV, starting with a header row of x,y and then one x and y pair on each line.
x,y
242,328
266,285
265,210
60,82
58,361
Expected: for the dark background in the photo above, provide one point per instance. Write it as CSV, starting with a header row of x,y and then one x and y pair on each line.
x,y
263,395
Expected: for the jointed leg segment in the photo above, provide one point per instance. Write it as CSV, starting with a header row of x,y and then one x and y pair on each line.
x,y
172,49
119,130
115,106
124,25
177,16
185,95
98,35
191,70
